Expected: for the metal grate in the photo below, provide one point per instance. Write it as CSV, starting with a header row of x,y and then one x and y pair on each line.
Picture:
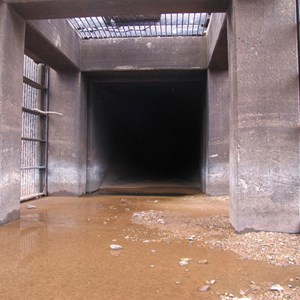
x,y
34,130
165,25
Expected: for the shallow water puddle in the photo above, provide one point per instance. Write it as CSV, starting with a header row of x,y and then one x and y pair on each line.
x,y
61,250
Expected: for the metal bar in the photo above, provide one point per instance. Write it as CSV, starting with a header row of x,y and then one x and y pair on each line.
x,y
33,83
33,168
32,111
32,196
32,140
46,133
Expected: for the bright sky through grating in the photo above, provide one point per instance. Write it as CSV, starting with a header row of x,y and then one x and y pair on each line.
x,y
180,24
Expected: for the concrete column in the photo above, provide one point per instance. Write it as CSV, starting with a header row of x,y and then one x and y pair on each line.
x,y
217,133
264,115
12,35
67,134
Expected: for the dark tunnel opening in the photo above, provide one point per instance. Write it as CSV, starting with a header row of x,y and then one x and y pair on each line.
x,y
146,132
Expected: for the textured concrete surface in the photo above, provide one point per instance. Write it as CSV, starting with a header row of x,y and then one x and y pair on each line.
x,y
264,116
53,42
144,54
217,45
52,9
217,137
67,134
12,31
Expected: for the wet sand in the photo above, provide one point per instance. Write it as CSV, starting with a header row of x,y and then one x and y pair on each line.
x,y
60,250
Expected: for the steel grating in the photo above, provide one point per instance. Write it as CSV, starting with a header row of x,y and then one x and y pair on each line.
x,y
165,25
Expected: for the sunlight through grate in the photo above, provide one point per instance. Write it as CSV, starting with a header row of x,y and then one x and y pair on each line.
x,y
165,25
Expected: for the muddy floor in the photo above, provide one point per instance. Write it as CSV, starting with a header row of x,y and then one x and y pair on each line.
x,y
170,248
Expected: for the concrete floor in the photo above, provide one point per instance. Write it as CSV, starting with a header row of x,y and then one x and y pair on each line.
x,y
61,250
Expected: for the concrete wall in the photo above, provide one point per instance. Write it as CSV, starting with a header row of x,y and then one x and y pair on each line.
x,y
144,54
12,31
67,134
264,116
216,173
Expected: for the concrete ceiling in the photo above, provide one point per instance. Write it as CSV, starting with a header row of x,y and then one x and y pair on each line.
x,y
58,9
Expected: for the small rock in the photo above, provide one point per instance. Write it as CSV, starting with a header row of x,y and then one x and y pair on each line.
x,y
30,206
191,238
205,288
161,221
212,282
183,263
186,259
202,262
178,282
277,287
152,266
115,247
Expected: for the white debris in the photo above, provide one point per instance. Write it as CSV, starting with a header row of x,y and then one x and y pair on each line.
x,y
115,247
205,288
277,287
183,263
30,206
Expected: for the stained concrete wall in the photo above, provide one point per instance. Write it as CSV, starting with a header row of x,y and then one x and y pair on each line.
x,y
144,54
67,134
264,115
216,174
12,31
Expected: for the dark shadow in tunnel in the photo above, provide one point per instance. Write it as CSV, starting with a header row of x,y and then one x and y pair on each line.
x,y
149,131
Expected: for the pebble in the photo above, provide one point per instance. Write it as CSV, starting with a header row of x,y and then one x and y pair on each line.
x,y
202,262
205,288
191,238
161,221
115,247
186,259
183,263
212,282
277,287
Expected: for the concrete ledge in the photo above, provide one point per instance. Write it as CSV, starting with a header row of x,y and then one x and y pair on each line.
x,y
217,42
144,54
53,42
51,9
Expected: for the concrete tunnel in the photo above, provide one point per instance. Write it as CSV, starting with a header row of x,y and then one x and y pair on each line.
x,y
146,130
245,92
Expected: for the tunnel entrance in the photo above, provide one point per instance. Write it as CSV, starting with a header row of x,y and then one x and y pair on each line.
x,y
146,131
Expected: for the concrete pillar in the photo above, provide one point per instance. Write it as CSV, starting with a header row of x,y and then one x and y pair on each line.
x,y
12,35
67,134
264,115
217,133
